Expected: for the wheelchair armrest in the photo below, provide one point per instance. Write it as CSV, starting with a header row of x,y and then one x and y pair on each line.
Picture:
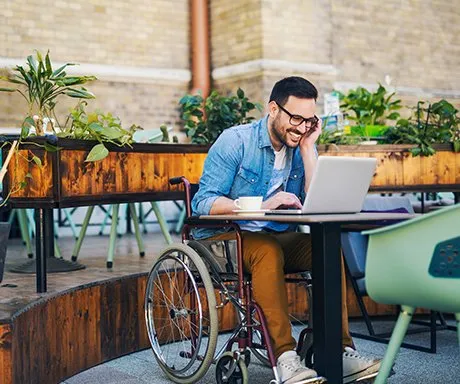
x,y
195,221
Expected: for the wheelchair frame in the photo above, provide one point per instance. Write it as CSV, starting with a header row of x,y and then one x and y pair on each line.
x,y
199,269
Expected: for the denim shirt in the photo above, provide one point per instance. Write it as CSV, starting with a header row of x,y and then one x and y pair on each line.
x,y
240,163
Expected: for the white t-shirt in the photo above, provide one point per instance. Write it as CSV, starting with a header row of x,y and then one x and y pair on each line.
x,y
280,173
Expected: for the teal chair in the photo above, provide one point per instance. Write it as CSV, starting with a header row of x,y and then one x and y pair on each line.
x,y
415,264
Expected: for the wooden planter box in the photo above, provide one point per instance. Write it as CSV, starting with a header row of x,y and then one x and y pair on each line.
x,y
141,173
137,173
398,170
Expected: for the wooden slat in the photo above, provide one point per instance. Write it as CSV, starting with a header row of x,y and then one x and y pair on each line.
x,y
40,184
6,364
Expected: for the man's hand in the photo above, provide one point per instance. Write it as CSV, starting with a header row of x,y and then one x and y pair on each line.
x,y
310,137
285,199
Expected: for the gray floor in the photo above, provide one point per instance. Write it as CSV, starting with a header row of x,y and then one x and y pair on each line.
x,y
412,367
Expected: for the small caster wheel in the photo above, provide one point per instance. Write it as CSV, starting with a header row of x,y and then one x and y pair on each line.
x,y
109,264
232,371
30,255
142,254
74,258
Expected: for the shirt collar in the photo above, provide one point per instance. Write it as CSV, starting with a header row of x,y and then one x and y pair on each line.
x,y
264,138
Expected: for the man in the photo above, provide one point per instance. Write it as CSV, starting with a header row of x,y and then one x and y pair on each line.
x,y
274,157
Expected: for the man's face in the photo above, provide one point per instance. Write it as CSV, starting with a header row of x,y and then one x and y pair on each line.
x,y
281,131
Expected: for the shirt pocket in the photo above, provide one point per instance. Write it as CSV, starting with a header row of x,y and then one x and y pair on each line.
x,y
295,181
247,182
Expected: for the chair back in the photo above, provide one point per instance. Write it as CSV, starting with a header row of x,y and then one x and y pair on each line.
x,y
354,244
152,135
417,262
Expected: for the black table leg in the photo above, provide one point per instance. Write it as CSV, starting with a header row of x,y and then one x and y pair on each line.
x,y
44,243
327,301
45,261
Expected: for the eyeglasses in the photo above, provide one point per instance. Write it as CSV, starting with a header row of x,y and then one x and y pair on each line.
x,y
296,120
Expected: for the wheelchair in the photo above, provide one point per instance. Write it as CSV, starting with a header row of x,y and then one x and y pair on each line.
x,y
187,288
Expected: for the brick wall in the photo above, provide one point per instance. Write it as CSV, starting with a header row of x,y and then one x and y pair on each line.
x,y
236,31
340,44
337,44
130,36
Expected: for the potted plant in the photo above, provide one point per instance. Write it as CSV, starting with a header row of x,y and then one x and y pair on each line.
x,y
430,124
41,86
369,110
204,120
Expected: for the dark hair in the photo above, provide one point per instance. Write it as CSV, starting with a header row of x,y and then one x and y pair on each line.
x,y
293,86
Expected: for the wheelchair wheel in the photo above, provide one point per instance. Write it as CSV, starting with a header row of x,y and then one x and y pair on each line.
x,y
232,371
181,315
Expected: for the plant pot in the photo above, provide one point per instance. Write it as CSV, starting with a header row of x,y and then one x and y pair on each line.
x,y
369,142
369,130
4,233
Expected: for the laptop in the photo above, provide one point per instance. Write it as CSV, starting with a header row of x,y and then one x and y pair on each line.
x,y
339,185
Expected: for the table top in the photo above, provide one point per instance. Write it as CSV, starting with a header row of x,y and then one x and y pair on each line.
x,y
317,218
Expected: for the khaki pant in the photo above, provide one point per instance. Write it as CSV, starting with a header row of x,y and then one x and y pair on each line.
x,y
268,256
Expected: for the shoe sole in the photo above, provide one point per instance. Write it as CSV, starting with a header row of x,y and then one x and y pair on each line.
x,y
314,380
367,374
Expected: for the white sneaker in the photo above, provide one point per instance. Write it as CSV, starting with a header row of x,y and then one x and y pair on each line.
x,y
292,371
357,367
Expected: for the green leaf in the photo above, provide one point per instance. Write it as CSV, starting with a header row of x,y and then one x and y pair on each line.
x,y
96,127
51,148
7,90
37,161
49,69
240,93
112,133
98,152
28,175
456,145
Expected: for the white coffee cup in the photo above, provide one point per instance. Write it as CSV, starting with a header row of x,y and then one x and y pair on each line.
x,y
249,203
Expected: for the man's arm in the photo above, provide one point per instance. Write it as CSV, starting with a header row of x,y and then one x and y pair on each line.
x,y
220,169
309,154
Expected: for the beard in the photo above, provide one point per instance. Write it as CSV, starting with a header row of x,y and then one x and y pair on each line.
x,y
281,134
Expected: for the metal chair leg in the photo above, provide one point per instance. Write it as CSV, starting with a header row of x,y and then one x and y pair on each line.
x,y
104,222
24,228
142,218
137,232
71,223
113,235
162,222
397,337
81,236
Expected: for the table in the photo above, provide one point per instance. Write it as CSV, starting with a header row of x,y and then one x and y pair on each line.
x,y
327,306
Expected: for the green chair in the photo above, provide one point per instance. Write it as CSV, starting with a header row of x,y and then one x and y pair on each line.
x,y
415,264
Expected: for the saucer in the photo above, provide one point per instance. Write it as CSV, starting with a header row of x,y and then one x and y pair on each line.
x,y
250,212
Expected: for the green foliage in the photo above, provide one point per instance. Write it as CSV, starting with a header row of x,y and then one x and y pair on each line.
x,y
41,86
337,136
104,128
435,123
220,112
367,108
